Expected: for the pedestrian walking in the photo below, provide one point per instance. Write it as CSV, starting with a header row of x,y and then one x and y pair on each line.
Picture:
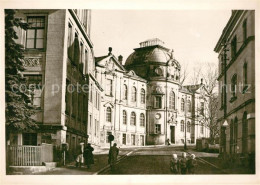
x,y
112,156
80,158
88,155
174,166
183,163
191,164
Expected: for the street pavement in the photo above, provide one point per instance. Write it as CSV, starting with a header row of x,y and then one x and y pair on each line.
x,y
144,160
156,160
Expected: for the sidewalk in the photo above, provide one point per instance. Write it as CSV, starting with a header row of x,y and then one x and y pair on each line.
x,y
100,162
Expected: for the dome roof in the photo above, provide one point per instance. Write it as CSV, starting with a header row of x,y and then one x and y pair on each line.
x,y
155,53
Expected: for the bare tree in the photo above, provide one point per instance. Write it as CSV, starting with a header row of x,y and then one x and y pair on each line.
x,y
184,73
209,75
196,75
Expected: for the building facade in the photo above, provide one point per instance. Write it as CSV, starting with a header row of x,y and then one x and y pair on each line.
x,y
82,98
144,103
236,114
59,60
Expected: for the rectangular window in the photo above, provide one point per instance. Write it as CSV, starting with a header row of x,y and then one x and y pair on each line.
x,y
35,33
69,43
157,128
74,103
81,61
86,61
158,102
30,139
108,133
90,124
245,30
67,98
132,139
233,47
95,127
90,93
34,84
201,129
124,139
85,109
96,103
109,87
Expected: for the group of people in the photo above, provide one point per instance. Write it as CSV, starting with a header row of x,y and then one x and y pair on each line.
x,y
86,156
183,165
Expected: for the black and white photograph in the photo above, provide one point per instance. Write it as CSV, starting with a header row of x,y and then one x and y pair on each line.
x,y
124,91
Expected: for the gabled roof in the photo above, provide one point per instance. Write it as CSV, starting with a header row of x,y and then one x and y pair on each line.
x,y
100,61
195,88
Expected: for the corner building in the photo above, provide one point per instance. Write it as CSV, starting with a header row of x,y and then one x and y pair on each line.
x,y
58,57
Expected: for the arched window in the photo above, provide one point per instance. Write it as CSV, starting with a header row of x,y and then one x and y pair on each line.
x,y
172,100
142,96
133,118
125,92
133,94
234,85
182,126
108,114
188,127
142,120
124,117
182,104
189,105
244,133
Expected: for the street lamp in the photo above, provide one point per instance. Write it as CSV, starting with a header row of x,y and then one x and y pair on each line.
x,y
223,134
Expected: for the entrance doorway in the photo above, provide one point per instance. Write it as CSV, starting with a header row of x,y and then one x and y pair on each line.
x,y
172,134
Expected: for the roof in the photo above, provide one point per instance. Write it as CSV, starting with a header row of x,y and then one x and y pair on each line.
x,y
155,53
228,28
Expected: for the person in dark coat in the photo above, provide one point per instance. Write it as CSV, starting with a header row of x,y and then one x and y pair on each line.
x,y
112,156
191,164
174,164
183,163
88,155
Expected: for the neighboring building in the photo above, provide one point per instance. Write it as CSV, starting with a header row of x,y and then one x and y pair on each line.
x,y
236,117
123,103
59,59
144,102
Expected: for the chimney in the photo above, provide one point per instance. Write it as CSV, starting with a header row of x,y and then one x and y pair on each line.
x,y
109,50
120,59
201,81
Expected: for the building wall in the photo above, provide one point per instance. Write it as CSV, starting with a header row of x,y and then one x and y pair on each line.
x,y
244,101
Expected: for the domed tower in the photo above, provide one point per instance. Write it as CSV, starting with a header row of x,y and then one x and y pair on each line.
x,y
157,65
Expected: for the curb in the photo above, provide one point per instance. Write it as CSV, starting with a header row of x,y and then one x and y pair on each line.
x,y
118,160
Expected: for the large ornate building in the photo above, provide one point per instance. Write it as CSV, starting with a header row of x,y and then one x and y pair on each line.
x,y
144,102
236,114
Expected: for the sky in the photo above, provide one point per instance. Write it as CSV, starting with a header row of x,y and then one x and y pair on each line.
x,y
192,34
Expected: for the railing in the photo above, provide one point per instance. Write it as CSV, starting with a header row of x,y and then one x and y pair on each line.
x,y
30,155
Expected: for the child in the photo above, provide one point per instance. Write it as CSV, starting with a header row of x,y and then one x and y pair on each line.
x,y
183,163
174,164
192,163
